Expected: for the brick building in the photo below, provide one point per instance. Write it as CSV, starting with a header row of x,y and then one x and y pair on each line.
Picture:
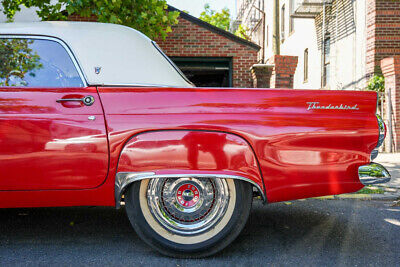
x,y
383,32
210,56
383,56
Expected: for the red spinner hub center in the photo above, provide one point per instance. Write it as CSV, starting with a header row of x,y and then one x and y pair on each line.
x,y
187,195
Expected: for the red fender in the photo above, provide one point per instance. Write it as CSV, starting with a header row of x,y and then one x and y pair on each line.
x,y
171,152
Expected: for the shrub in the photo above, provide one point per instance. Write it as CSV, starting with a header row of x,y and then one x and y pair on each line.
x,y
376,83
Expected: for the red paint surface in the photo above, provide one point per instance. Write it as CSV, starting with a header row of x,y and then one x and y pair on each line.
x,y
179,152
301,153
50,145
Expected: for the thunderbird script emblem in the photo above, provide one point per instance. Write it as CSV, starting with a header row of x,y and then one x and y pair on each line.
x,y
316,105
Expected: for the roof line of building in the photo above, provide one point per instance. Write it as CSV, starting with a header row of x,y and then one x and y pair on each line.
x,y
214,29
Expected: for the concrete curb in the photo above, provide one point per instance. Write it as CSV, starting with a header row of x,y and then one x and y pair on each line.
x,y
385,197
369,196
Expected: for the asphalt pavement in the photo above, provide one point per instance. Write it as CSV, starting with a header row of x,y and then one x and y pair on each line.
x,y
300,233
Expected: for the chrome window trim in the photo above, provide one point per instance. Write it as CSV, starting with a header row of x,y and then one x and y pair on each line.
x,y
138,85
123,179
54,39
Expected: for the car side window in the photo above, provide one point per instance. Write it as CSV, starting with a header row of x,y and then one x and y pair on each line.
x,y
36,63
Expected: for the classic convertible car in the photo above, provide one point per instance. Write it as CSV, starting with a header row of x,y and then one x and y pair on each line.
x,y
95,114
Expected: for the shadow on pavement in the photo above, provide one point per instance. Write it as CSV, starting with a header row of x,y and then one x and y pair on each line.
x,y
308,232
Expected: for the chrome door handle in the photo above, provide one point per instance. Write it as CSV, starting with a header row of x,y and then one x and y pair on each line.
x,y
87,100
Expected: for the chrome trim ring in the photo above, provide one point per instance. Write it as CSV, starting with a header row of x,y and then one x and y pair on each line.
x,y
187,217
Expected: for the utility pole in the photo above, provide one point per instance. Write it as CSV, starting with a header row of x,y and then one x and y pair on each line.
x,y
276,44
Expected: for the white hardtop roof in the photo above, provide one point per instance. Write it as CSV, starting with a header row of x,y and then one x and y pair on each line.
x,y
125,56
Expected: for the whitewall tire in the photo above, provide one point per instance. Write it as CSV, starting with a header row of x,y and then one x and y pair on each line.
x,y
188,217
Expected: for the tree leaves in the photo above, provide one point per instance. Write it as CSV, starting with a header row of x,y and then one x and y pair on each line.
x,y
242,32
219,19
147,16
376,83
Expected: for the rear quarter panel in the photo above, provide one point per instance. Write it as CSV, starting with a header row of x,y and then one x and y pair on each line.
x,y
301,152
181,152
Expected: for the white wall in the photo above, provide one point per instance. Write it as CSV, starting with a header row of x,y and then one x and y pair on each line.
x,y
304,36
348,54
25,15
348,60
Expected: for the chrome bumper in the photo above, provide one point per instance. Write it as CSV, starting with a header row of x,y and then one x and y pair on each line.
x,y
373,173
382,134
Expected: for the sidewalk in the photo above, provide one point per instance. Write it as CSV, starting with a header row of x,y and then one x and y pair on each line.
x,y
391,161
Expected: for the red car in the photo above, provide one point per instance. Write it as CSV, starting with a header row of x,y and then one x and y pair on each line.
x,y
96,114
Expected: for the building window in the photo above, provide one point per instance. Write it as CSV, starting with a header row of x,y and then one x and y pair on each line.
x,y
306,65
327,54
291,20
283,23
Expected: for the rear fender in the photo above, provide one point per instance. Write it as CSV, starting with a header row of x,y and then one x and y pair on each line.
x,y
178,153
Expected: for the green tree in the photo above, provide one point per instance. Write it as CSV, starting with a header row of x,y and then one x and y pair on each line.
x,y
219,19
148,16
242,32
222,20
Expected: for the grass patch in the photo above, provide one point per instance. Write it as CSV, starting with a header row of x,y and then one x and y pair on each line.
x,y
370,190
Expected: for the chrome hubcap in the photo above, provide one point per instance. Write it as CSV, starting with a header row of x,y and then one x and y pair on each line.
x,y
187,206
187,195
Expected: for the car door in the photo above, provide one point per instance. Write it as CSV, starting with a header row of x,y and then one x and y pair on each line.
x,y
52,127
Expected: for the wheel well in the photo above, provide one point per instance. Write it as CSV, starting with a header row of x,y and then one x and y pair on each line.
x,y
125,179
